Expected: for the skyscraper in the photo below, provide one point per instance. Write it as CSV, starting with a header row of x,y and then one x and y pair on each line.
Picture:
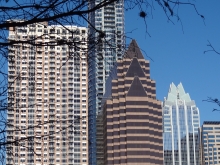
x,y
210,143
180,128
132,117
47,95
106,38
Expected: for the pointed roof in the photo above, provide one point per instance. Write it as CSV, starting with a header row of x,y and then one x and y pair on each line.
x,y
134,51
181,89
135,69
177,92
136,89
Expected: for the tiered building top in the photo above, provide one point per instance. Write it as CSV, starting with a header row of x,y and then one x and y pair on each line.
x,y
132,116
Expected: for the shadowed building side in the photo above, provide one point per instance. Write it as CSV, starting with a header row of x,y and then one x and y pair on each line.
x,y
106,46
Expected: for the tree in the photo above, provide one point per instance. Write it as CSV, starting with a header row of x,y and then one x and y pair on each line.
x,y
17,15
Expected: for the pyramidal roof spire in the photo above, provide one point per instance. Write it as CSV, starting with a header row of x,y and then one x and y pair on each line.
x,y
177,92
135,69
134,51
136,88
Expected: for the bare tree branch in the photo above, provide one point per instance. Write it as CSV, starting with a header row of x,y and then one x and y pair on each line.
x,y
212,49
215,101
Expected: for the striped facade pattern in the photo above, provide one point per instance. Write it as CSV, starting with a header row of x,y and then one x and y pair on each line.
x,y
132,116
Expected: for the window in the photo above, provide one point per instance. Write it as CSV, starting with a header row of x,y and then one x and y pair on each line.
x,y
76,161
207,128
211,136
195,112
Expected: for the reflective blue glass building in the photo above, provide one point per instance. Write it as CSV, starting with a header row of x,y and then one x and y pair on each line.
x,y
180,128
106,45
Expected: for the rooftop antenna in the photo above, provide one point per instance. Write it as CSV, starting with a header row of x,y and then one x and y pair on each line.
x,y
134,50
178,95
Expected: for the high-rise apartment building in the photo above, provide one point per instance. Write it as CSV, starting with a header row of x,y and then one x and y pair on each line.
x,y
47,95
180,128
210,143
132,117
106,35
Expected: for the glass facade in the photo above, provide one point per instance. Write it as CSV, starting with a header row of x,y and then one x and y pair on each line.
x,y
180,128
107,22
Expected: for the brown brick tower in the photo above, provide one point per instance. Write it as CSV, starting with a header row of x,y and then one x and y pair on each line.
x,y
132,116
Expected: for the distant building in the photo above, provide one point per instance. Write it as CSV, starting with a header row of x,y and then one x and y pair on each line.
x,y
210,142
132,116
180,128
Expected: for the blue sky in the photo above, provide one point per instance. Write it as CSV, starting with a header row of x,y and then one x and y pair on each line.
x,y
178,56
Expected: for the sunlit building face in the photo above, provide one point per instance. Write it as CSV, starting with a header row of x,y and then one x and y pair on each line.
x,y
180,128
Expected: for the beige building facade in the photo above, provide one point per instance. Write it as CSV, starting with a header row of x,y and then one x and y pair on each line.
x,y
47,95
210,143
